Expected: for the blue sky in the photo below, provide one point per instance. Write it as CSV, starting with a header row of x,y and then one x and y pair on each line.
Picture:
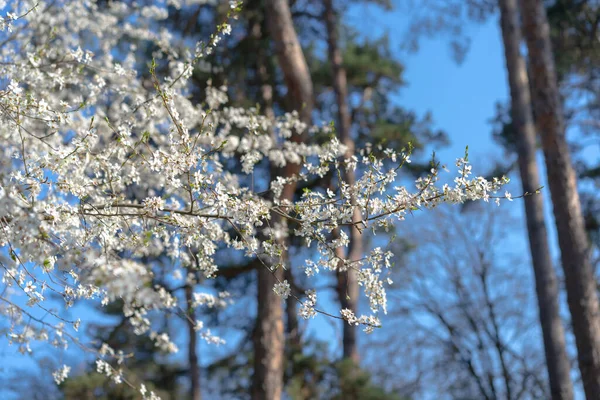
x,y
461,97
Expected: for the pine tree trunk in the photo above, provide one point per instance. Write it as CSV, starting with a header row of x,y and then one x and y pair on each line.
x,y
347,284
269,339
291,60
269,335
581,285
546,282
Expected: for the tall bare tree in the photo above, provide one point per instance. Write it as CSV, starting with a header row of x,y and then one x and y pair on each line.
x,y
546,284
581,287
347,283
462,325
269,336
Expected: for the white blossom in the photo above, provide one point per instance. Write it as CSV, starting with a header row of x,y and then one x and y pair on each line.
x,y
61,374
282,289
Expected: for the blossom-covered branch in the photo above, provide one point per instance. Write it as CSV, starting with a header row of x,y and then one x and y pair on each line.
x,y
106,160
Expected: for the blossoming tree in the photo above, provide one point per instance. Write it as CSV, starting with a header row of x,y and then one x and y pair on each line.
x,y
88,128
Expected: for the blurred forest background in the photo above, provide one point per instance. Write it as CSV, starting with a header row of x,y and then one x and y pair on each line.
x,y
468,298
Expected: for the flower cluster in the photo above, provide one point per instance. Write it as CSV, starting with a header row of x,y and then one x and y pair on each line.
x,y
283,289
61,374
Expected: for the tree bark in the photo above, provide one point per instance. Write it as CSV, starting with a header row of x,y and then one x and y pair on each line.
x,y
267,382
291,60
347,283
269,339
546,283
269,336
580,283
195,393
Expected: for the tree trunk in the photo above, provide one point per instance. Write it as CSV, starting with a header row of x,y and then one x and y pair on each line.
x,y
269,345
269,339
195,393
580,283
557,361
291,60
347,284
269,335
